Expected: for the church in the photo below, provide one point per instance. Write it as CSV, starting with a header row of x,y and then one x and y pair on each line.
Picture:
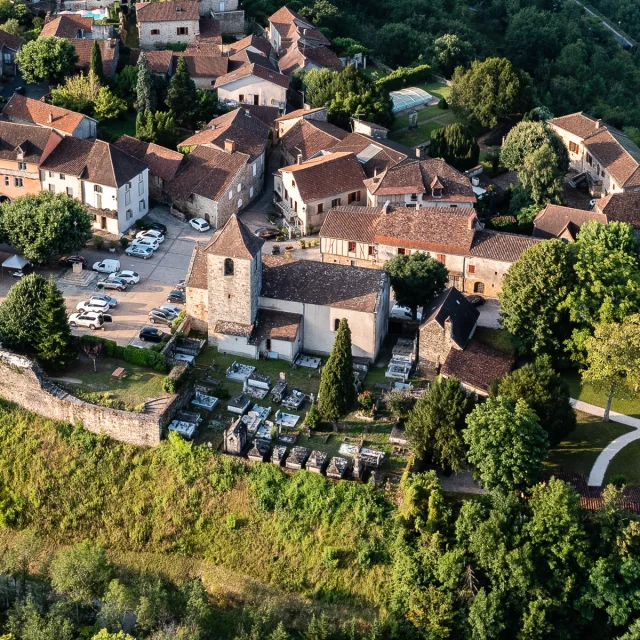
x,y
253,305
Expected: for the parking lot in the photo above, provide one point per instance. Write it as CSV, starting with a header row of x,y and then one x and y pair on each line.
x,y
158,276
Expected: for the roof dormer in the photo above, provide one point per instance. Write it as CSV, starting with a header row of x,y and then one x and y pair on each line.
x,y
437,188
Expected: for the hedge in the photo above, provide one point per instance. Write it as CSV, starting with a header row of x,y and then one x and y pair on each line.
x,y
404,76
176,378
142,357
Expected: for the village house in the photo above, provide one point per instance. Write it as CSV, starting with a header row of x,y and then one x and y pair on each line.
x,y
289,120
25,110
163,163
205,64
171,22
109,50
112,184
610,159
621,207
74,26
304,192
308,139
286,27
477,260
254,44
9,47
251,304
306,57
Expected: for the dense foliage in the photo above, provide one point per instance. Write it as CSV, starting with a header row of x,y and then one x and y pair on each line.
x,y
456,146
46,59
337,381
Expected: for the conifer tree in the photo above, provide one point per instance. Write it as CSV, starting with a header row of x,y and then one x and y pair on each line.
x,y
54,346
145,95
336,383
182,97
95,63
18,313
145,126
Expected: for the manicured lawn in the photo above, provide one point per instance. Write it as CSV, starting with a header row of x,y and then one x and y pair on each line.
x,y
423,114
579,451
587,393
626,463
121,126
497,338
416,136
436,89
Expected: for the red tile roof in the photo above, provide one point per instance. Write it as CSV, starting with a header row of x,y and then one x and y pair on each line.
x,y
263,112
170,10
66,26
377,155
257,42
309,137
162,162
210,32
555,220
235,240
298,55
621,207
10,41
30,140
29,110
160,62
292,26
256,70
298,113
618,154
108,50
203,65
580,124
452,306
503,247
353,223
275,325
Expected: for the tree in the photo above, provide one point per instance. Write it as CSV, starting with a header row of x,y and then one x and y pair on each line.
x,y
434,428
25,622
207,105
490,92
78,93
12,26
613,359
95,63
533,292
46,59
54,346
335,396
416,279
125,84
313,418
145,94
455,145
46,225
545,392
108,106
103,634
449,52
157,127
117,603
506,444
541,177
182,97
526,138
19,326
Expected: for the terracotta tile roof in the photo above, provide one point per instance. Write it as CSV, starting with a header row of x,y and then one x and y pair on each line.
x,y
202,65
298,55
10,41
327,175
210,32
420,177
429,228
257,42
69,157
298,113
292,26
555,220
207,172
254,70
29,110
248,132
323,284
160,62
496,245
167,11
235,240
618,154
309,137
621,207
580,124
229,328
162,162
108,49
356,224
213,49
245,56
197,276
477,365
376,155
453,306
66,26
32,140
275,325
263,112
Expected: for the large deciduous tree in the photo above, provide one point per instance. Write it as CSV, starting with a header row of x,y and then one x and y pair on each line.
x,y
336,382
46,60
19,322
527,137
449,52
434,428
416,279
541,177
78,93
506,444
182,97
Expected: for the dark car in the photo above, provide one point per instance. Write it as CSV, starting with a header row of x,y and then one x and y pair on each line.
x,y
176,296
475,300
20,90
69,261
160,316
181,285
151,334
149,224
267,233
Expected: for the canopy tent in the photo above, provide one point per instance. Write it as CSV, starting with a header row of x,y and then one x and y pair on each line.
x,y
409,98
15,262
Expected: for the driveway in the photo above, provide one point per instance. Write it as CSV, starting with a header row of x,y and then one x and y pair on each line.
x,y
35,91
490,314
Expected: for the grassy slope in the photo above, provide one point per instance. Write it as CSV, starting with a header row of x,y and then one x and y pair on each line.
x,y
626,463
497,338
587,393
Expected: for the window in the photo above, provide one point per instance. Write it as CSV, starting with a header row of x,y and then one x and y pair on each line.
x,y
8,58
7,181
17,182
230,194
371,250
213,83
62,177
140,186
414,197
96,187
336,324
239,203
336,202
472,268
182,31
354,197
402,251
293,183
478,287
127,193
52,188
228,267
22,166
70,192
441,258
255,169
351,247
51,174
129,214
321,207
589,159
251,192
573,147
239,188
141,205
155,32
241,97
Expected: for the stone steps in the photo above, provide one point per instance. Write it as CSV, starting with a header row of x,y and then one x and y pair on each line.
x,y
85,278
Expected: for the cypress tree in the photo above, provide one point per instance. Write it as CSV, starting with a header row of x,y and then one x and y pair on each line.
x,y
54,346
336,382
18,313
182,97
95,64
146,126
145,95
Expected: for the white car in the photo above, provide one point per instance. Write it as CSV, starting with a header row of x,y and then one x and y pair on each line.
x,y
99,306
136,251
130,277
401,312
89,319
200,224
152,243
150,233
107,266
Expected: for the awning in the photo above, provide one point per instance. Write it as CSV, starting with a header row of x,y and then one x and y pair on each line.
x,y
15,262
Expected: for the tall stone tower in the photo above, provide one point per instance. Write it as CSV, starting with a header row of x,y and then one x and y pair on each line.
x,y
234,274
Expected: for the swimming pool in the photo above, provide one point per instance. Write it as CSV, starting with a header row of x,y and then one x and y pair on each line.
x,y
96,14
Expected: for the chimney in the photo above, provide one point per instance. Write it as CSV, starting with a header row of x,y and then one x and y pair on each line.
x,y
50,118
471,221
385,207
598,123
229,146
418,153
299,159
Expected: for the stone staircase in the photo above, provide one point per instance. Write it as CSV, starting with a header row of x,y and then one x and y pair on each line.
x,y
83,279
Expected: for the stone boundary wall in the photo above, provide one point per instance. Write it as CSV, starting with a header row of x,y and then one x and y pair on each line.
x,y
23,382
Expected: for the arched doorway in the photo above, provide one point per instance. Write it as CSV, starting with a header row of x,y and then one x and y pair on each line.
x,y
4,199
478,287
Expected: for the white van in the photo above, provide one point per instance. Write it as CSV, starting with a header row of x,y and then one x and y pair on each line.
x,y
107,266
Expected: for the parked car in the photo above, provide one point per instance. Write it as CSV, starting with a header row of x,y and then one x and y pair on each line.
x,y
112,302
136,251
90,319
177,296
150,233
112,283
69,261
476,300
107,266
151,334
200,224
150,224
267,233
181,285
160,316
592,203
146,242
130,277
401,312
171,308
100,306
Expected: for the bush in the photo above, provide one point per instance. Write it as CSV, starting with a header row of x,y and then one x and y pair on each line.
x,y
142,357
365,400
398,402
178,321
113,244
443,104
176,378
98,242
124,242
313,418
403,76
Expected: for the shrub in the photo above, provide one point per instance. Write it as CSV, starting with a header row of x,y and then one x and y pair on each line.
x,y
98,242
365,400
330,558
178,321
231,522
443,104
113,244
142,357
313,418
403,76
176,378
398,402
124,242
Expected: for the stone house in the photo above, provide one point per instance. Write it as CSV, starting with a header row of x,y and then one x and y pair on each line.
x,y
556,221
9,46
609,157
25,110
308,139
205,63
172,22
289,120
306,57
286,28
163,163
251,303
226,12
74,26
477,260
109,50
305,192
112,184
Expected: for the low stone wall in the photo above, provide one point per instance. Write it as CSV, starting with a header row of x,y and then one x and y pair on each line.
x,y
23,382
231,22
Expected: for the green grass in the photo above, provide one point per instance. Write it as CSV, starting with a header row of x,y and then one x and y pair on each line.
x,y
497,338
401,122
126,125
626,463
579,451
587,393
416,136
436,89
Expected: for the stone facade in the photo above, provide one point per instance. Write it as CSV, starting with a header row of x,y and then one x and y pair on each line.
x,y
231,22
156,34
434,345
